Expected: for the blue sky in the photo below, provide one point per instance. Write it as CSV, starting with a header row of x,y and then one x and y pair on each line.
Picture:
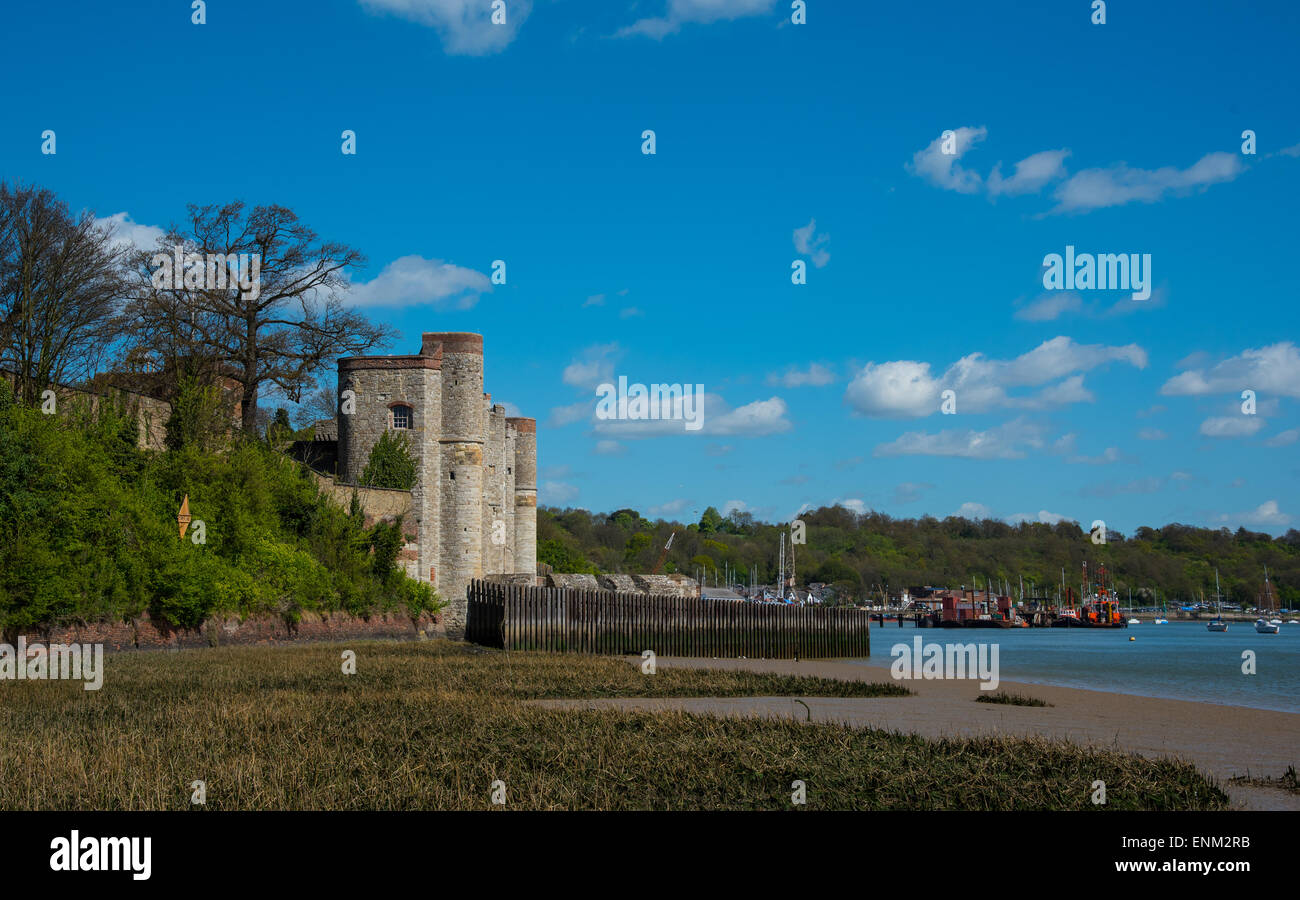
x,y
522,142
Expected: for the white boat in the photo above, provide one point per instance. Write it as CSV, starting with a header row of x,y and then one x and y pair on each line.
x,y
1275,621
1161,622
1263,626
1217,623
1135,621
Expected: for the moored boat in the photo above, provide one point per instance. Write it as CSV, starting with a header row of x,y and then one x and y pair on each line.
x,y
1264,626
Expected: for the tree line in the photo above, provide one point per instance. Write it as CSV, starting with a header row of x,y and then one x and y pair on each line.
x,y
861,555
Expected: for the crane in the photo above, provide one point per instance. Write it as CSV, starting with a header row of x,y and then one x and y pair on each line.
x,y
664,554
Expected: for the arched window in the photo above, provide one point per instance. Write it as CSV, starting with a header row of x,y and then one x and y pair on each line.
x,y
402,415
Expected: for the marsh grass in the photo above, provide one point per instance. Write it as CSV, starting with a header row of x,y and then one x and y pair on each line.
x,y
1011,699
431,725
1288,781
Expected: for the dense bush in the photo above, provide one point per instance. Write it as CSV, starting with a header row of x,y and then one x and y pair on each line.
x,y
88,530
390,464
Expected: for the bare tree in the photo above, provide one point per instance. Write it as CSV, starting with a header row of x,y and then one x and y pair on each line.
x,y
256,293
61,289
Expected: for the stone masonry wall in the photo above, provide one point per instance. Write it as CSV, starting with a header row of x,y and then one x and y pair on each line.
x,y
146,634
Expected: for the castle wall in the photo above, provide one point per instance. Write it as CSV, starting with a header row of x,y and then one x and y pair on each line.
x,y
525,493
378,382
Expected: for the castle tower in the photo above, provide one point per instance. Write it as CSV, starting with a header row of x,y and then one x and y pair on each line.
x,y
508,498
387,393
498,505
461,446
474,466
525,494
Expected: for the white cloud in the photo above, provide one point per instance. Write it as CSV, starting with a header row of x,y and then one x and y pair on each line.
x,y
906,389
1274,369
1266,513
1151,434
1231,426
942,169
1007,441
595,367
969,510
1282,439
1050,306
852,504
574,412
671,508
910,492
734,506
595,300
1089,189
760,417
556,492
1138,486
808,243
816,375
1031,175
1109,455
694,12
629,312
1049,518
1064,444
610,448
127,231
465,26
416,281
1118,185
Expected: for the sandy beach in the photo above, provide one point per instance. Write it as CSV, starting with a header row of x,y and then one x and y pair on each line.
x,y
1222,741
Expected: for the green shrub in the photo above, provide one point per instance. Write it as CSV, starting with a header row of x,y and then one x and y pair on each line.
x,y
391,464
88,530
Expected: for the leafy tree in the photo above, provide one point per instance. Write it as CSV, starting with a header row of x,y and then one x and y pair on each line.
x,y
391,464
274,319
563,559
710,521
195,419
61,284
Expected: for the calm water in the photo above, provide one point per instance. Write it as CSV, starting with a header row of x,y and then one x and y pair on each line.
x,y
1180,661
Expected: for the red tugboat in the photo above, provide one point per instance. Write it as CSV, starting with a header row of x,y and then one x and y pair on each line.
x,y
1099,609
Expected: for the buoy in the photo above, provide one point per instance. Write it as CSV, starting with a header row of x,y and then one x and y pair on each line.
x,y
1132,639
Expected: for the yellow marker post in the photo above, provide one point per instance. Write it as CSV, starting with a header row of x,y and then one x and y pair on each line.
x,y
183,517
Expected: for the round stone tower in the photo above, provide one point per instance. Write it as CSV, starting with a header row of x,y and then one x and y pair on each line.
x,y
464,428
525,474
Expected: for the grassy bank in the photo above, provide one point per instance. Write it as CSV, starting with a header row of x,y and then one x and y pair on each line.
x,y
432,725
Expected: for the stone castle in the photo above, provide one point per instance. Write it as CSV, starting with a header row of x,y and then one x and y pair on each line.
x,y
475,497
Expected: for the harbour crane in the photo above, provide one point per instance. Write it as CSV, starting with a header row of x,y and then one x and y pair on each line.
x,y
663,555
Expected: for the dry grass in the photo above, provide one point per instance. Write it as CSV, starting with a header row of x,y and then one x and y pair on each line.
x,y
432,725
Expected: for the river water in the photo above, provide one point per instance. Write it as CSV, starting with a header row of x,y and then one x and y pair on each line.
x,y
1180,661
